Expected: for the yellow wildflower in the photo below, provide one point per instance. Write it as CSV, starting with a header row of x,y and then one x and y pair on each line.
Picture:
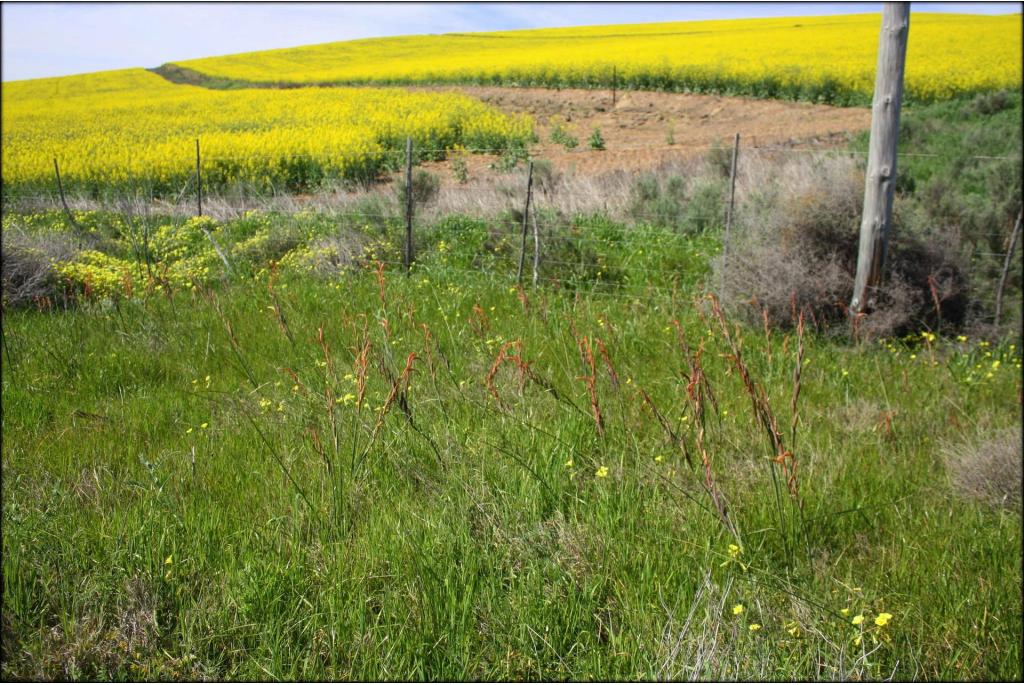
x,y
858,619
882,619
602,472
754,627
737,610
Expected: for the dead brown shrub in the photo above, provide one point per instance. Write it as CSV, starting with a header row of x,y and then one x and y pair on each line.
x,y
987,471
26,265
795,248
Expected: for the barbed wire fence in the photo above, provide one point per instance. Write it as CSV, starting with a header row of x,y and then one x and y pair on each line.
x,y
551,219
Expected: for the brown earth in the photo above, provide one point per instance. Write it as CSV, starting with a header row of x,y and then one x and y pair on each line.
x,y
638,128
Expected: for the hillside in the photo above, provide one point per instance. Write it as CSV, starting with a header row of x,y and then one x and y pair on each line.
x,y
827,59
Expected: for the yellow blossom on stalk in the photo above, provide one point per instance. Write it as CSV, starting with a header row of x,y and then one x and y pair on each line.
x,y
602,472
858,619
961,338
754,627
882,619
568,464
844,611
737,610
929,337
660,458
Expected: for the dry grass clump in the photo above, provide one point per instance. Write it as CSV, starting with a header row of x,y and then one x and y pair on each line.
x,y
26,265
794,249
987,471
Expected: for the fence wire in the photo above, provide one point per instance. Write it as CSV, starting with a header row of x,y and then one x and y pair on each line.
x,y
630,278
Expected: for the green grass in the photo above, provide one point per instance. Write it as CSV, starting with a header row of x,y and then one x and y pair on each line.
x,y
168,513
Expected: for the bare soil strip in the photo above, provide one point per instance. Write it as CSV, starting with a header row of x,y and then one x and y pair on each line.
x,y
638,128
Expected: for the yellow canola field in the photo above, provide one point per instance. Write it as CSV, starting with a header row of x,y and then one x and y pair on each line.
x,y
120,128
830,59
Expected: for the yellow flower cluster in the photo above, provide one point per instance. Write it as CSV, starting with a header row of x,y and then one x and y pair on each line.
x,y
135,127
830,58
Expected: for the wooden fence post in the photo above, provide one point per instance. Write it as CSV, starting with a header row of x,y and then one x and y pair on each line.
x,y
199,194
729,209
536,248
407,254
199,181
1006,268
880,181
64,202
526,218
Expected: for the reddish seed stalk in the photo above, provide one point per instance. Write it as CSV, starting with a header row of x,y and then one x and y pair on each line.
x,y
326,350
590,381
606,358
362,365
759,404
399,387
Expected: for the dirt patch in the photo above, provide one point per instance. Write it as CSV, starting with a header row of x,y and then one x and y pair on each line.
x,y
642,129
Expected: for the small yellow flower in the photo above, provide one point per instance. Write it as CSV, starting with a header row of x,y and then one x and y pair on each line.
x,y
913,356
858,619
845,373
882,619
754,627
169,560
856,640
602,472
568,464
737,610
961,338
204,425
844,612
660,458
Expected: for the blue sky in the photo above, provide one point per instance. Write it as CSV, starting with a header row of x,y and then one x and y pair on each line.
x,y
54,39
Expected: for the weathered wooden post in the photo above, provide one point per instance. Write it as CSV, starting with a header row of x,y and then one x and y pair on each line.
x,y
63,201
880,182
408,205
1006,269
199,181
729,208
526,219
536,249
199,195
